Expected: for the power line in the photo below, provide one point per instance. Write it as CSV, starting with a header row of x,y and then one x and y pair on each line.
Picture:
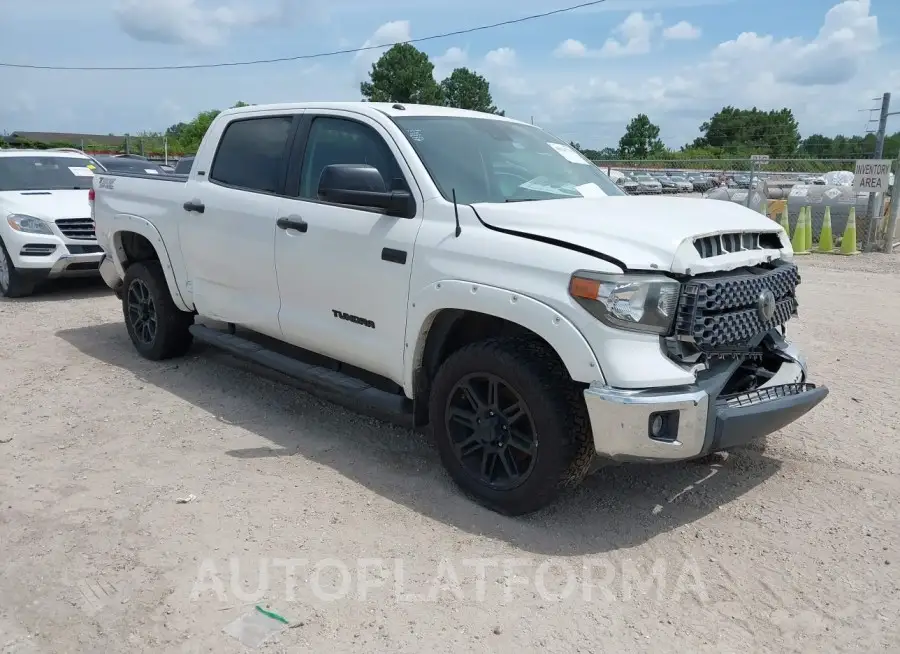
x,y
318,55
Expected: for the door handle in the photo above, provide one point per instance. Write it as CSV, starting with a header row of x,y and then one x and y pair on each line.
x,y
393,256
293,222
194,205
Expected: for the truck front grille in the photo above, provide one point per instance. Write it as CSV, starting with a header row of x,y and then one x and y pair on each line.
x,y
77,229
713,246
723,312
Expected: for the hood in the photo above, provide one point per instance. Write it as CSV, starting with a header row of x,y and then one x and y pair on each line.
x,y
49,205
643,233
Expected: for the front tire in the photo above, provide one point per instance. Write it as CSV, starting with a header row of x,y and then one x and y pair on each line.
x,y
511,427
157,328
13,284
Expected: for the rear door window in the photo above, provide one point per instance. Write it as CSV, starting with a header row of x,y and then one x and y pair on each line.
x,y
251,154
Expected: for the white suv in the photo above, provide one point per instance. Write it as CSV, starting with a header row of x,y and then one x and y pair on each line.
x,y
46,229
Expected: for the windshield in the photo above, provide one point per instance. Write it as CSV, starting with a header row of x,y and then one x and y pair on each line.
x,y
43,173
488,160
645,178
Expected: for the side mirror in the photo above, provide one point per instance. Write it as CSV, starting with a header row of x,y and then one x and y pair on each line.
x,y
361,185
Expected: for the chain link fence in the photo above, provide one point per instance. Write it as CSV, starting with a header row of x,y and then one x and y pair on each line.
x,y
799,183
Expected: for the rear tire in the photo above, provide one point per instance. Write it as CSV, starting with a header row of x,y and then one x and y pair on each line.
x,y
157,328
533,423
13,284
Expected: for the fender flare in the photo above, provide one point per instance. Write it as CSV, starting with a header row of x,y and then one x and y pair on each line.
x,y
566,340
142,226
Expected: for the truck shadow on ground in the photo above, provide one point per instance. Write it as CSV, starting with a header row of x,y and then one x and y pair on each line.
x,y
618,507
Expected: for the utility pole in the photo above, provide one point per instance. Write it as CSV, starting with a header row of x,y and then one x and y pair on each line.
x,y
879,152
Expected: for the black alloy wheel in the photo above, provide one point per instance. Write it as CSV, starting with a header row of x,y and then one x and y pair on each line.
x,y
142,312
492,431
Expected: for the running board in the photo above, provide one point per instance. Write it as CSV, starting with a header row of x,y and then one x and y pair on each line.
x,y
316,380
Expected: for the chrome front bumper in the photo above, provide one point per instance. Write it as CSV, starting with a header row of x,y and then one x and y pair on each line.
x,y
75,265
698,420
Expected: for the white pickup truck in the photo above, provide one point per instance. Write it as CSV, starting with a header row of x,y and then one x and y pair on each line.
x,y
470,273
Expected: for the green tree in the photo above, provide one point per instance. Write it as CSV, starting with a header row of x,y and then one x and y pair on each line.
x,y
751,131
402,74
186,137
466,89
175,131
192,134
641,139
593,155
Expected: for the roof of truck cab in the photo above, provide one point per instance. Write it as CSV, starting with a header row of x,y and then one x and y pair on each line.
x,y
369,108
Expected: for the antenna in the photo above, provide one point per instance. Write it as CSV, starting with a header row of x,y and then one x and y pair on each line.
x,y
456,213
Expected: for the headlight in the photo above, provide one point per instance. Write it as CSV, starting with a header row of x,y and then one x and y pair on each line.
x,y
28,224
640,303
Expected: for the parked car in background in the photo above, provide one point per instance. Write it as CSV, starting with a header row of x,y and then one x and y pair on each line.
x,y
740,181
183,167
648,184
93,165
628,185
130,165
701,182
668,186
684,186
46,230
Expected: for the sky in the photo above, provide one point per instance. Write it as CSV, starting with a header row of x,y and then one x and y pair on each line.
x,y
581,75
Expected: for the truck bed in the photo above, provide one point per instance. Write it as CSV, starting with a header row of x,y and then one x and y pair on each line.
x,y
121,198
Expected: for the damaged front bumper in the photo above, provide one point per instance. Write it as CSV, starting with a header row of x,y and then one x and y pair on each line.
x,y
690,422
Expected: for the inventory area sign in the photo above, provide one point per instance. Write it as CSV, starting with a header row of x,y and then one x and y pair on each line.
x,y
872,175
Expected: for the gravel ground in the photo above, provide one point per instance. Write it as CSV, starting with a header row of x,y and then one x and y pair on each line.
x,y
790,549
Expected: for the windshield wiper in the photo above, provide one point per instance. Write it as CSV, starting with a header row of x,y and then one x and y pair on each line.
x,y
522,200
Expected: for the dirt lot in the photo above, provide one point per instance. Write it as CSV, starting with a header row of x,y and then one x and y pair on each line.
x,y
793,549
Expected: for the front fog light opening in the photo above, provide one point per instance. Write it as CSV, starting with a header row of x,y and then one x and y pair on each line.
x,y
663,426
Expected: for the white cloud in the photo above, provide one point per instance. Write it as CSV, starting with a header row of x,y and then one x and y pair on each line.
x,y
186,22
634,36
646,5
822,79
570,48
445,64
681,31
396,31
834,56
501,58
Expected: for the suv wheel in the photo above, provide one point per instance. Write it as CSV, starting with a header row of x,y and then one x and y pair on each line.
x,y
12,283
511,427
